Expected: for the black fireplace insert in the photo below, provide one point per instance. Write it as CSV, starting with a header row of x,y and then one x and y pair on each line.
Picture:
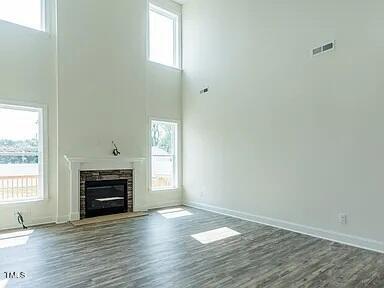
x,y
105,197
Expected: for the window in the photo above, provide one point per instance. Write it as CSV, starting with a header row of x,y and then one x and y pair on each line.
x,y
21,153
29,13
164,38
163,155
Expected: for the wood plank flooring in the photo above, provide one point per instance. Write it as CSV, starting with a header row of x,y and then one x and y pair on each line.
x,y
154,251
108,218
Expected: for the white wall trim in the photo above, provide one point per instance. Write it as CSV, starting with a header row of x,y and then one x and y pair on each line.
x,y
29,222
159,205
42,109
62,219
350,240
169,8
77,164
178,154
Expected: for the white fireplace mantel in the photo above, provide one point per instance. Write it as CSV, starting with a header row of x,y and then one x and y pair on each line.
x,y
77,164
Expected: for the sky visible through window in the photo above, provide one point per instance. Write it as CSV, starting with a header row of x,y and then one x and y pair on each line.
x,y
161,34
18,124
23,12
19,133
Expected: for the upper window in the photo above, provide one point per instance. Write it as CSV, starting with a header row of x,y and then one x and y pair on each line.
x,y
164,39
29,13
164,155
21,153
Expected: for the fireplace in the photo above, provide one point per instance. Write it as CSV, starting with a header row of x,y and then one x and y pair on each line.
x,y
105,197
82,169
104,192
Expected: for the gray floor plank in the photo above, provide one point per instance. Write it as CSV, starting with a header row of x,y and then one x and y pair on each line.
x,y
157,252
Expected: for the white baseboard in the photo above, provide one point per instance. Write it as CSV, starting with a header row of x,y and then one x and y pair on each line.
x,y
74,216
350,240
30,223
164,204
62,219
140,209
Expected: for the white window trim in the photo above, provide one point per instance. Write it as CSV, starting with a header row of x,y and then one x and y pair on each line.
x,y
45,20
159,7
177,176
43,149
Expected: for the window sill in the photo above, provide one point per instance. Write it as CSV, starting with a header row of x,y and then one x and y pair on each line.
x,y
26,201
165,190
27,28
175,68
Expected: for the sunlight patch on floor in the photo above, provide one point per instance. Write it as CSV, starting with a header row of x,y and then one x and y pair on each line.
x,y
3,283
215,235
14,239
171,210
174,213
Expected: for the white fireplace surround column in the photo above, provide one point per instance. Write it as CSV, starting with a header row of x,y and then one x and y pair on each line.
x,y
77,164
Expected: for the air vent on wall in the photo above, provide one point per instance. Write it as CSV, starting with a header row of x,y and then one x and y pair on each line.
x,y
322,49
205,90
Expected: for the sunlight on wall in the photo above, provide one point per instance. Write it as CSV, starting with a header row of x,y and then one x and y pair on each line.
x,y
174,213
14,239
215,235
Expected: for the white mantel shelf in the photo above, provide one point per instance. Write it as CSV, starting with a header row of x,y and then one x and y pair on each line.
x,y
78,164
71,159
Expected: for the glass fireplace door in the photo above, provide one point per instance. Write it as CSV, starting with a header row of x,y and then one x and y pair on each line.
x,y
105,197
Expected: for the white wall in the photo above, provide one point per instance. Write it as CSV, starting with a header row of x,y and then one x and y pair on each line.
x,y
101,89
163,102
282,134
28,76
107,90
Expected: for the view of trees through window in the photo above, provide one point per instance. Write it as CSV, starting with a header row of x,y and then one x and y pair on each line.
x,y
162,136
19,153
163,160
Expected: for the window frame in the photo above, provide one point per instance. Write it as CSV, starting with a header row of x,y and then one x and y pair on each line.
x,y
177,164
175,16
43,147
43,19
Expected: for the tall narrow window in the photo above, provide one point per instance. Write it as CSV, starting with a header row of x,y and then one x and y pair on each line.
x,y
21,153
164,155
164,40
29,13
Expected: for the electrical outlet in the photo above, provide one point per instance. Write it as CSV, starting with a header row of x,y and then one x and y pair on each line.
x,y
343,219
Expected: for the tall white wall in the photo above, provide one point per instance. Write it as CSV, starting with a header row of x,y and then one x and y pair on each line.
x,y
28,76
282,134
107,89
98,87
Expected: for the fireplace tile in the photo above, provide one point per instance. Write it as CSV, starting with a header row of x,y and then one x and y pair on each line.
x,y
99,175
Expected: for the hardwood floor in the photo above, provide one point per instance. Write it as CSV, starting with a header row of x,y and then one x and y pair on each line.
x,y
154,251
